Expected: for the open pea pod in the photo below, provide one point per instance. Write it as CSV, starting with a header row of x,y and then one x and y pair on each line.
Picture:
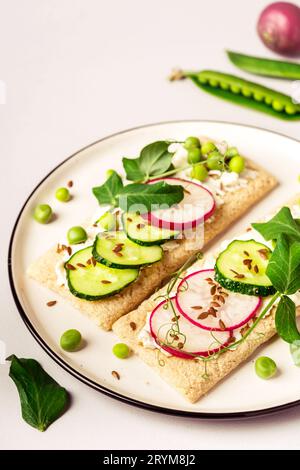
x,y
246,93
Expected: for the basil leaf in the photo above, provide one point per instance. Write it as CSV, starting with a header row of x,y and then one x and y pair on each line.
x,y
42,399
132,168
285,320
282,222
283,268
147,197
107,192
154,159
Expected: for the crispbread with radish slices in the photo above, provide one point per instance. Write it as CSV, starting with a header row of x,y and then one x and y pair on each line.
x,y
180,366
107,310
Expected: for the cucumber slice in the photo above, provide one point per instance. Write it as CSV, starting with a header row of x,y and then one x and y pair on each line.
x,y
141,232
242,268
116,250
93,281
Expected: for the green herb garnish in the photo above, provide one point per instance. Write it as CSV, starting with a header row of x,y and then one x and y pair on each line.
x,y
143,197
42,399
154,160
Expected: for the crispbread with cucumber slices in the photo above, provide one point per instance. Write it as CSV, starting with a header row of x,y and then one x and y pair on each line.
x,y
109,309
174,353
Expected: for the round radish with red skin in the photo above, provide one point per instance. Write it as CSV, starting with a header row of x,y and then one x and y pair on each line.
x,y
197,206
208,305
190,341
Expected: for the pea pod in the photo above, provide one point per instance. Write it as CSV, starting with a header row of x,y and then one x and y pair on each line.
x,y
246,93
265,67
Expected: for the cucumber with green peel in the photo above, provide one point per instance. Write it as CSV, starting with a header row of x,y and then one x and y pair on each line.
x,y
114,249
141,232
90,280
242,268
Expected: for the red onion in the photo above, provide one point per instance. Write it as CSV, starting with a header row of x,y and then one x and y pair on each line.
x,y
279,27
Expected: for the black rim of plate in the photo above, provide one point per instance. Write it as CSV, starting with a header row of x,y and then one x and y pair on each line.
x,y
81,377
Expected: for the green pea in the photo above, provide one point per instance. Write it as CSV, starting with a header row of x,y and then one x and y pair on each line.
x,y
199,172
109,173
76,235
213,82
231,152
290,109
224,86
236,164
277,106
191,142
194,155
62,194
208,147
42,213
121,350
235,89
265,367
268,100
214,161
246,92
258,96
107,221
70,340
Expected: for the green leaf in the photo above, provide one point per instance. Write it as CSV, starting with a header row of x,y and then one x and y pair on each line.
x,y
147,197
282,222
154,160
42,399
107,192
285,320
132,169
283,268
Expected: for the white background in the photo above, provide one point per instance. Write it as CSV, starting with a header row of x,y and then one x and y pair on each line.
x,y
75,71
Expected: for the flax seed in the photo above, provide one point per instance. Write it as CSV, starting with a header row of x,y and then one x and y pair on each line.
x,y
215,304
256,270
70,267
51,303
105,281
202,316
213,290
222,325
180,345
197,307
246,253
81,265
115,374
132,325
70,184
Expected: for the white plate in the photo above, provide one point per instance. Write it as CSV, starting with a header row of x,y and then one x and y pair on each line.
x,y
243,393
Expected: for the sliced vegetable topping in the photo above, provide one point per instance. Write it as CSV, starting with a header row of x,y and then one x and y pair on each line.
x,y
180,337
197,206
140,231
242,268
90,280
116,250
208,305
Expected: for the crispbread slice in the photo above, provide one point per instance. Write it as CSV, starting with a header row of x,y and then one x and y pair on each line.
x,y
105,312
189,376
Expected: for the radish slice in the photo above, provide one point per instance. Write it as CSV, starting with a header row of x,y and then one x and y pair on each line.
x,y
198,292
197,205
194,341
